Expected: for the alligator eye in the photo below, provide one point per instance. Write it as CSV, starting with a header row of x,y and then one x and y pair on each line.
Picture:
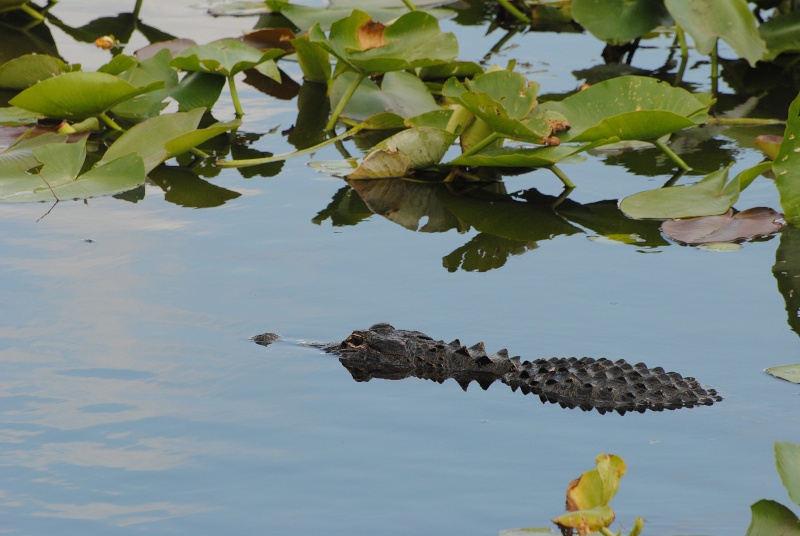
x,y
355,340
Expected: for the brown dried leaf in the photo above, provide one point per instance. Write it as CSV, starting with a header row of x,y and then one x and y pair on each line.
x,y
746,225
267,38
370,35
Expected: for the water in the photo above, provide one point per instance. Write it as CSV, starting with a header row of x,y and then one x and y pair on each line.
x,y
133,400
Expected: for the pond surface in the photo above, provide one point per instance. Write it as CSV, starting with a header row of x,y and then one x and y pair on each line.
x,y
134,401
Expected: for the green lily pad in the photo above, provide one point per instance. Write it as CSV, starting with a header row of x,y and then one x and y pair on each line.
x,y
790,373
198,90
398,155
150,71
729,20
225,57
78,95
770,518
630,108
57,175
27,70
786,166
586,521
782,34
184,142
413,40
148,138
619,21
710,196
504,100
315,62
400,93
787,461
532,157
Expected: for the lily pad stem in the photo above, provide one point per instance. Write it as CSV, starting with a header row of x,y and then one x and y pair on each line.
x,y
344,100
485,142
682,42
516,13
110,122
744,121
714,70
409,5
237,105
671,154
278,158
568,184
605,532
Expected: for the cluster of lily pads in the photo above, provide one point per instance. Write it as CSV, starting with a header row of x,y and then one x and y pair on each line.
x,y
445,119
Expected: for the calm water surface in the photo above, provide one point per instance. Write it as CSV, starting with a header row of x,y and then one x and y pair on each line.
x,y
134,402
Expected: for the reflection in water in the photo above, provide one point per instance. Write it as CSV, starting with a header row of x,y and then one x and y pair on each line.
x,y
507,223
787,272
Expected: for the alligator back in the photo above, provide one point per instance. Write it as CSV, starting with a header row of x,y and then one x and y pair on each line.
x,y
586,383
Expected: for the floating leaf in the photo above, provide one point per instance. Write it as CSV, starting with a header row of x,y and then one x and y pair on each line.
x,y
619,21
27,70
400,93
712,195
787,165
630,108
790,373
153,70
787,461
770,518
174,46
198,90
314,60
502,99
587,521
396,156
769,144
729,20
78,95
744,225
55,175
782,34
148,138
413,40
523,156
225,57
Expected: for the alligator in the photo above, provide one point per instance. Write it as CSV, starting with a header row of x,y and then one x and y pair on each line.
x,y
586,383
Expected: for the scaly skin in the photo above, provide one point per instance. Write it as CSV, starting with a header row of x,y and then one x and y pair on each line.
x,y
385,352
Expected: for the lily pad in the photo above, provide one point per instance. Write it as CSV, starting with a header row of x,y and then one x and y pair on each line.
x,y
782,34
587,521
27,70
150,138
78,95
745,225
770,518
400,93
787,461
225,57
56,175
790,373
398,155
532,157
619,21
630,108
710,196
504,101
150,71
787,165
730,20
413,40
